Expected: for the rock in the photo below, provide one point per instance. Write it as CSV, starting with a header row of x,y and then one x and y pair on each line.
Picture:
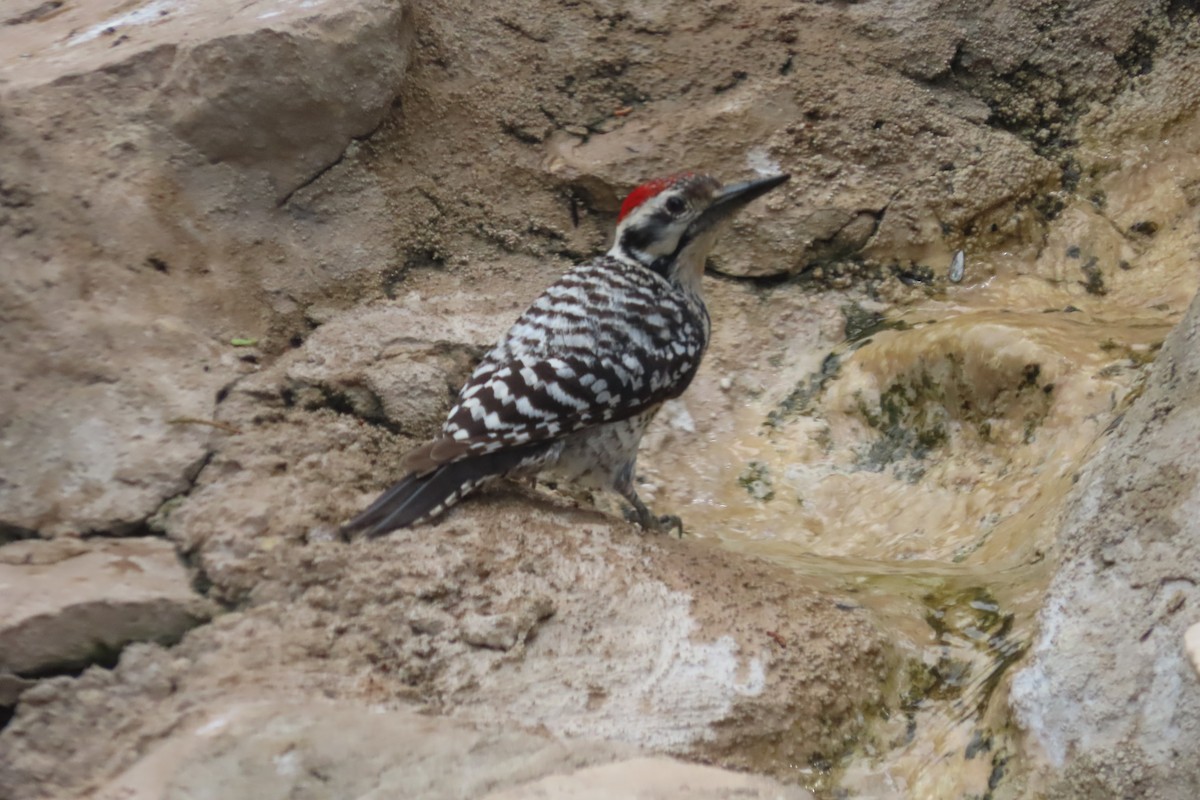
x,y
652,779
1110,696
333,72
106,454
63,608
277,749
146,151
997,98
118,701
1191,643
132,137
513,591
867,174
688,657
348,750
168,185
334,69
393,364
674,646
11,688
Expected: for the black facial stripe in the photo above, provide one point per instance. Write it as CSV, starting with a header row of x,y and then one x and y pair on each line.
x,y
662,265
684,240
636,240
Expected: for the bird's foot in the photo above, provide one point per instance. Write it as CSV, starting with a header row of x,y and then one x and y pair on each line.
x,y
650,523
669,522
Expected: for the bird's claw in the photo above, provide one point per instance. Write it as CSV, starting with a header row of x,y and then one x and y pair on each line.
x,y
669,522
641,516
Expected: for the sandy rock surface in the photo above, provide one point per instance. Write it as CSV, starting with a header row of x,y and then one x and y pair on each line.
x,y
1111,695
66,603
248,254
160,201
496,618
145,148
264,749
652,779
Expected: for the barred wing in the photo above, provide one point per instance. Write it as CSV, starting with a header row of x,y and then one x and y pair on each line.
x,y
606,342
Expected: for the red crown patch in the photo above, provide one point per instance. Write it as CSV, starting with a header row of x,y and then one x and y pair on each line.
x,y
649,189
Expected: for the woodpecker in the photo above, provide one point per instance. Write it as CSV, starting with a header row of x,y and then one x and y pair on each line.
x,y
568,391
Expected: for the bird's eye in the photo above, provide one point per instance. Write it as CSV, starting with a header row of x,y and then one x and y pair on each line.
x,y
675,204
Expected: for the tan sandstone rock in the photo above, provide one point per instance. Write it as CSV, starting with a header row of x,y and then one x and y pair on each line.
x,y
66,608
271,749
1110,696
144,145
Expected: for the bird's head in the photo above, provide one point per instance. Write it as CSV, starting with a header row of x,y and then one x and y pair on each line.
x,y
670,224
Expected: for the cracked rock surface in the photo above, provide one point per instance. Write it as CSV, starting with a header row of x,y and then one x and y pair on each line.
x,y
270,749
167,185
497,619
248,253
144,149
1115,621
65,603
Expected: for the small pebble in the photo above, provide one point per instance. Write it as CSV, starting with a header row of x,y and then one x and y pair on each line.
x,y
957,266
1191,643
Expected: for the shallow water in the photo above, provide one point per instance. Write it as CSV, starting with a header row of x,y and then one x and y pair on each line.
x,y
923,466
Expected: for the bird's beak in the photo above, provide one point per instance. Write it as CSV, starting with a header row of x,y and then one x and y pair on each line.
x,y
733,198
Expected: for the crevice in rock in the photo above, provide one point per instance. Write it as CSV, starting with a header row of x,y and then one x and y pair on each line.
x,y
152,524
287,198
735,78
356,401
417,258
762,281
838,245
201,583
1182,11
15,533
316,176
913,275
124,530
520,30
342,404
102,656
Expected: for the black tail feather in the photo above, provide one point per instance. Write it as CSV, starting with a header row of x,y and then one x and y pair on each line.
x,y
397,496
409,501
418,497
